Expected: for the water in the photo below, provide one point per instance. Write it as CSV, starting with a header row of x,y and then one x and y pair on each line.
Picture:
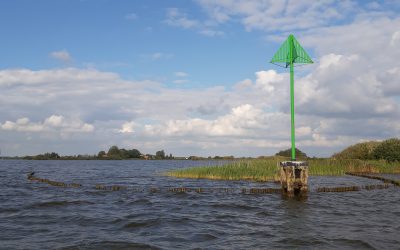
x,y
38,216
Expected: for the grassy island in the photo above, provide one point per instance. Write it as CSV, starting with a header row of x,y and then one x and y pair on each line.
x,y
267,169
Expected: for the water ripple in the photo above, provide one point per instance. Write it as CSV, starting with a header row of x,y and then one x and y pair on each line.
x,y
38,216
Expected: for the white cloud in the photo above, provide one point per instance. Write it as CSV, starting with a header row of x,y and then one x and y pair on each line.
x,y
267,79
390,78
237,122
55,121
128,127
11,77
395,38
244,84
61,55
50,124
22,125
328,60
303,131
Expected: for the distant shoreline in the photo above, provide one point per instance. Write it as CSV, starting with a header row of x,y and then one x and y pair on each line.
x,y
116,159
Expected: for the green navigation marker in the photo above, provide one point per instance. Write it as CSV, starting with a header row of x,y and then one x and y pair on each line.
x,y
288,54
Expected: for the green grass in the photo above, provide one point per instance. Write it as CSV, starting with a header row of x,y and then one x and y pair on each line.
x,y
268,169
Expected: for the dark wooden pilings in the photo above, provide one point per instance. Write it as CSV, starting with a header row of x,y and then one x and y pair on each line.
x,y
352,188
53,183
385,180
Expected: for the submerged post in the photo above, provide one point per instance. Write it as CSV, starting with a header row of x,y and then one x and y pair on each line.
x,y
294,174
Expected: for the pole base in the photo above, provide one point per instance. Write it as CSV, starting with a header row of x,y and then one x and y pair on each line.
x,y
294,178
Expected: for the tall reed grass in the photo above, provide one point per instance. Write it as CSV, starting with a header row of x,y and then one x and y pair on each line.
x,y
268,169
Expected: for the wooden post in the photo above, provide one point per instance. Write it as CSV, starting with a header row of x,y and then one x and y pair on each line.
x,y
294,178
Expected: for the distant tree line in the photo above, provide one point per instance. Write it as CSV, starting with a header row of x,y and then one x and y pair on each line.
x,y
45,156
113,153
288,153
388,150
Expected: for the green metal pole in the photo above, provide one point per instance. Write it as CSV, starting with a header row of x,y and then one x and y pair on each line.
x,y
292,97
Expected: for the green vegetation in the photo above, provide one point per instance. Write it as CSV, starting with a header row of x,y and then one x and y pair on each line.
x,y
362,151
113,153
388,150
257,169
330,166
46,156
267,169
288,153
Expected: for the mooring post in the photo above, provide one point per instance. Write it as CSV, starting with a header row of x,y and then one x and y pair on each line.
x,y
294,174
294,178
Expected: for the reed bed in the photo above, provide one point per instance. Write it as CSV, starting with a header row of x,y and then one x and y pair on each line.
x,y
268,169
257,170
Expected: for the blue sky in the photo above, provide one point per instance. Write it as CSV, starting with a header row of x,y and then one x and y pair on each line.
x,y
193,77
126,37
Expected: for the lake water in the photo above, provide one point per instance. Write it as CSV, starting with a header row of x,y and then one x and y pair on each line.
x,y
38,216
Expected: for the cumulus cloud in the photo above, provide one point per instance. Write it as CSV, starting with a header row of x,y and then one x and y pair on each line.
x,y
240,121
61,55
52,123
9,77
266,80
332,105
128,127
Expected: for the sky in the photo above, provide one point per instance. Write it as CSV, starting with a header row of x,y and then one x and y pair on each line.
x,y
193,77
